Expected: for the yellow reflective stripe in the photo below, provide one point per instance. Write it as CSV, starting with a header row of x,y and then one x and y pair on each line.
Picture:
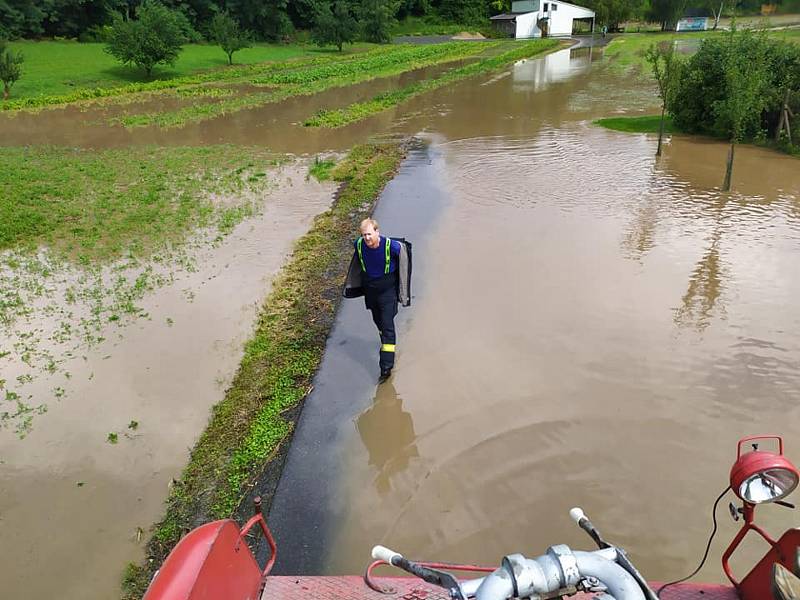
x,y
361,255
387,347
388,257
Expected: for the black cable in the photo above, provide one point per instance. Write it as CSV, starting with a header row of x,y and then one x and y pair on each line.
x,y
708,546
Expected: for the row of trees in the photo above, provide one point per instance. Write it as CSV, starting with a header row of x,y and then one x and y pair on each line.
x,y
274,19
743,86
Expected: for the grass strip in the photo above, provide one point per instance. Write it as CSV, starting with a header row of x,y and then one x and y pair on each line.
x,y
248,425
642,124
224,74
361,110
99,206
313,78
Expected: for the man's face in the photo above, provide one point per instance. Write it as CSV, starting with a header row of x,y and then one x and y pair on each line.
x,y
371,236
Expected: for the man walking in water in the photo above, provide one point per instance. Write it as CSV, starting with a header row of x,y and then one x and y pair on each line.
x,y
381,272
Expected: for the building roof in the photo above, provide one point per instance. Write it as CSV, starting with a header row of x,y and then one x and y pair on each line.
x,y
506,16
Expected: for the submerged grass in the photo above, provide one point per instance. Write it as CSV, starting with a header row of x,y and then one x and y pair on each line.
x,y
311,77
99,206
362,110
247,426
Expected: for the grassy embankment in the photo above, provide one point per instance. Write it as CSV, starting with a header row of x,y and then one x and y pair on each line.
x,y
312,77
248,425
362,110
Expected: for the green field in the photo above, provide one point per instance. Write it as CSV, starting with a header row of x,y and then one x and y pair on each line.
x,y
644,124
56,68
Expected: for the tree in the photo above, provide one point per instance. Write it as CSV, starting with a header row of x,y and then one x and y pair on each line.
x,y
377,17
464,11
666,12
746,79
225,31
337,27
156,37
666,65
10,70
268,19
614,12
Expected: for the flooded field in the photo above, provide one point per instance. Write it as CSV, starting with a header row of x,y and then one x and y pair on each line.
x,y
80,491
590,327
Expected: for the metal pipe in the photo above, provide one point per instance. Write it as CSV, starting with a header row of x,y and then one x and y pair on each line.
x,y
497,586
621,584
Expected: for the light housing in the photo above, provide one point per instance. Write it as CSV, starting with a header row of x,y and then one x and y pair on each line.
x,y
760,476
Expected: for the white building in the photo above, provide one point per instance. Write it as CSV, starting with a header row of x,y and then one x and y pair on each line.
x,y
541,18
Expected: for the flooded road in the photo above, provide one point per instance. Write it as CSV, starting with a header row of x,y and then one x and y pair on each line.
x,y
590,327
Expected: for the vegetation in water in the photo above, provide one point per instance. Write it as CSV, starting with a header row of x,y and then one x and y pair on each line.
x,y
321,169
84,236
248,426
362,110
313,77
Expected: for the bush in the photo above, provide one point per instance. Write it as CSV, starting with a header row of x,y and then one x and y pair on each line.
x,y
704,89
377,19
154,38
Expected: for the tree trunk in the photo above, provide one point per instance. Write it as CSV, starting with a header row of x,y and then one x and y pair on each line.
x,y
726,187
230,58
784,120
661,130
339,45
6,90
718,15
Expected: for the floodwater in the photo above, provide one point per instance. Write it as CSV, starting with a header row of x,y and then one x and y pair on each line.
x,y
590,327
76,507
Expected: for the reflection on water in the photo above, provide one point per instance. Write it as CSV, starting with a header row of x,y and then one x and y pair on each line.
x,y
387,432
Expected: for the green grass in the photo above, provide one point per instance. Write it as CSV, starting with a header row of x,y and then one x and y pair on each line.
x,y
361,110
321,169
248,425
314,76
56,68
99,206
644,124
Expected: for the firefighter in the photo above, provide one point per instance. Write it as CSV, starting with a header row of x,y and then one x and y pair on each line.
x,y
380,271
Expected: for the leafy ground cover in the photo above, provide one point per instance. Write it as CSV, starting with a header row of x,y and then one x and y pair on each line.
x,y
314,76
362,110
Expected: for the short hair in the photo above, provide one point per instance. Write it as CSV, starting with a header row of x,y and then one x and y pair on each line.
x,y
366,222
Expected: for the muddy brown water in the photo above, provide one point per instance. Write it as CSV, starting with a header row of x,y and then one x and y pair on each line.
x,y
591,327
